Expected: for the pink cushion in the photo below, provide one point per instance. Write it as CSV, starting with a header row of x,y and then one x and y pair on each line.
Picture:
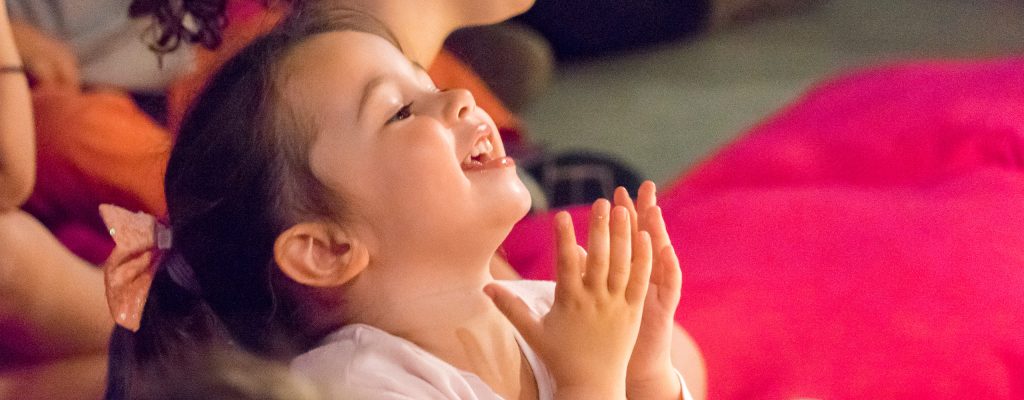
x,y
866,242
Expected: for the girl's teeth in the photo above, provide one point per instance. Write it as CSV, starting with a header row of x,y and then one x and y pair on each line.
x,y
481,148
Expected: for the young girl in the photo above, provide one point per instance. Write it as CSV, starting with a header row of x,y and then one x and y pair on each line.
x,y
328,203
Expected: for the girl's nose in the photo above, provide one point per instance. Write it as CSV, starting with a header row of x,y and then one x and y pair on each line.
x,y
456,104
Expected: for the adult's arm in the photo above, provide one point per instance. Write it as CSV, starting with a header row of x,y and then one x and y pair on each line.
x,y
52,303
421,26
70,378
17,138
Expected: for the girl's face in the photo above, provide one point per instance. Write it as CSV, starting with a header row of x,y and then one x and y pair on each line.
x,y
424,168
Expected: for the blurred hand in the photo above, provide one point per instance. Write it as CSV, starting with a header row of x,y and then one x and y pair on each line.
x,y
49,62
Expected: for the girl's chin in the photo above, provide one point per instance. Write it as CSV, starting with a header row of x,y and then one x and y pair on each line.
x,y
518,199
519,210
525,202
511,205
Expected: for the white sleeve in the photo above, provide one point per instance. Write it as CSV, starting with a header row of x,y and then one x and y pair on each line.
x,y
685,395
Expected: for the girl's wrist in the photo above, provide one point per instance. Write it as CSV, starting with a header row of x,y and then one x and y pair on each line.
x,y
591,391
665,385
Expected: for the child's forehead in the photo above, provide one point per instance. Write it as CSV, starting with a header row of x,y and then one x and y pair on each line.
x,y
337,58
348,55
333,71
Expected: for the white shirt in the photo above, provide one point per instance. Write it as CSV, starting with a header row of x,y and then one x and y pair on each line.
x,y
362,362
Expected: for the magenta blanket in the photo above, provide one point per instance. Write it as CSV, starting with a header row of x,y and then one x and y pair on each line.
x,y
865,242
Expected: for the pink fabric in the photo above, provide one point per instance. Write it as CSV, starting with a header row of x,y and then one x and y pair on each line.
x,y
866,242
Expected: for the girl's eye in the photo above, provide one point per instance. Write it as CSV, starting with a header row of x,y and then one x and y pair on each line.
x,y
403,113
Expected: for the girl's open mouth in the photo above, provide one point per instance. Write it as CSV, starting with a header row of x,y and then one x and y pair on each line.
x,y
484,155
476,165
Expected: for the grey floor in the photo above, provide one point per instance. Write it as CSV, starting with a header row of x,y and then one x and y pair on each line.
x,y
663,109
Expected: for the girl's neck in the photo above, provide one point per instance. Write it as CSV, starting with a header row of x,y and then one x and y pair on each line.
x,y
413,302
444,311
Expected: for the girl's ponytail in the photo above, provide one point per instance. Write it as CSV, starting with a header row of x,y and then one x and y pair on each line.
x,y
176,329
176,320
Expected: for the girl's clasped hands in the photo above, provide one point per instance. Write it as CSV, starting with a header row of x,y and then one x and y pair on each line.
x,y
609,331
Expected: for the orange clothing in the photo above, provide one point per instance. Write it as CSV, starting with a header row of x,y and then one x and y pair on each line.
x,y
102,146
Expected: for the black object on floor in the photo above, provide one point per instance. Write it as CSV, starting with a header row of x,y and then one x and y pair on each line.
x,y
580,177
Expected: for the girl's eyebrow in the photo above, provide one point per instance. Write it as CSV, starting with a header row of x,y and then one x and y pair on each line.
x,y
419,67
372,87
368,92
423,71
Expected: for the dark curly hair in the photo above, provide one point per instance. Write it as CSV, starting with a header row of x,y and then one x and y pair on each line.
x,y
177,22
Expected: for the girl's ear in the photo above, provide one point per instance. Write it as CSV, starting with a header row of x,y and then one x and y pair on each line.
x,y
315,254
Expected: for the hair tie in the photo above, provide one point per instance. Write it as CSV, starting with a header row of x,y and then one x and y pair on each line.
x,y
139,244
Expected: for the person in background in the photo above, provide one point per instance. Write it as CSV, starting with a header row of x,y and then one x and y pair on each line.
x,y
73,45
97,93
51,321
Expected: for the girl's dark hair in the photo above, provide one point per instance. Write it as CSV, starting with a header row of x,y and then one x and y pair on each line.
x,y
238,176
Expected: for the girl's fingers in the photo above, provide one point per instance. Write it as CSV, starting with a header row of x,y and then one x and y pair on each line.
x,y
645,199
596,275
621,252
622,199
671,274
640,273
582,254
517,312
666,273
569,274
651,227
644,202
655,225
